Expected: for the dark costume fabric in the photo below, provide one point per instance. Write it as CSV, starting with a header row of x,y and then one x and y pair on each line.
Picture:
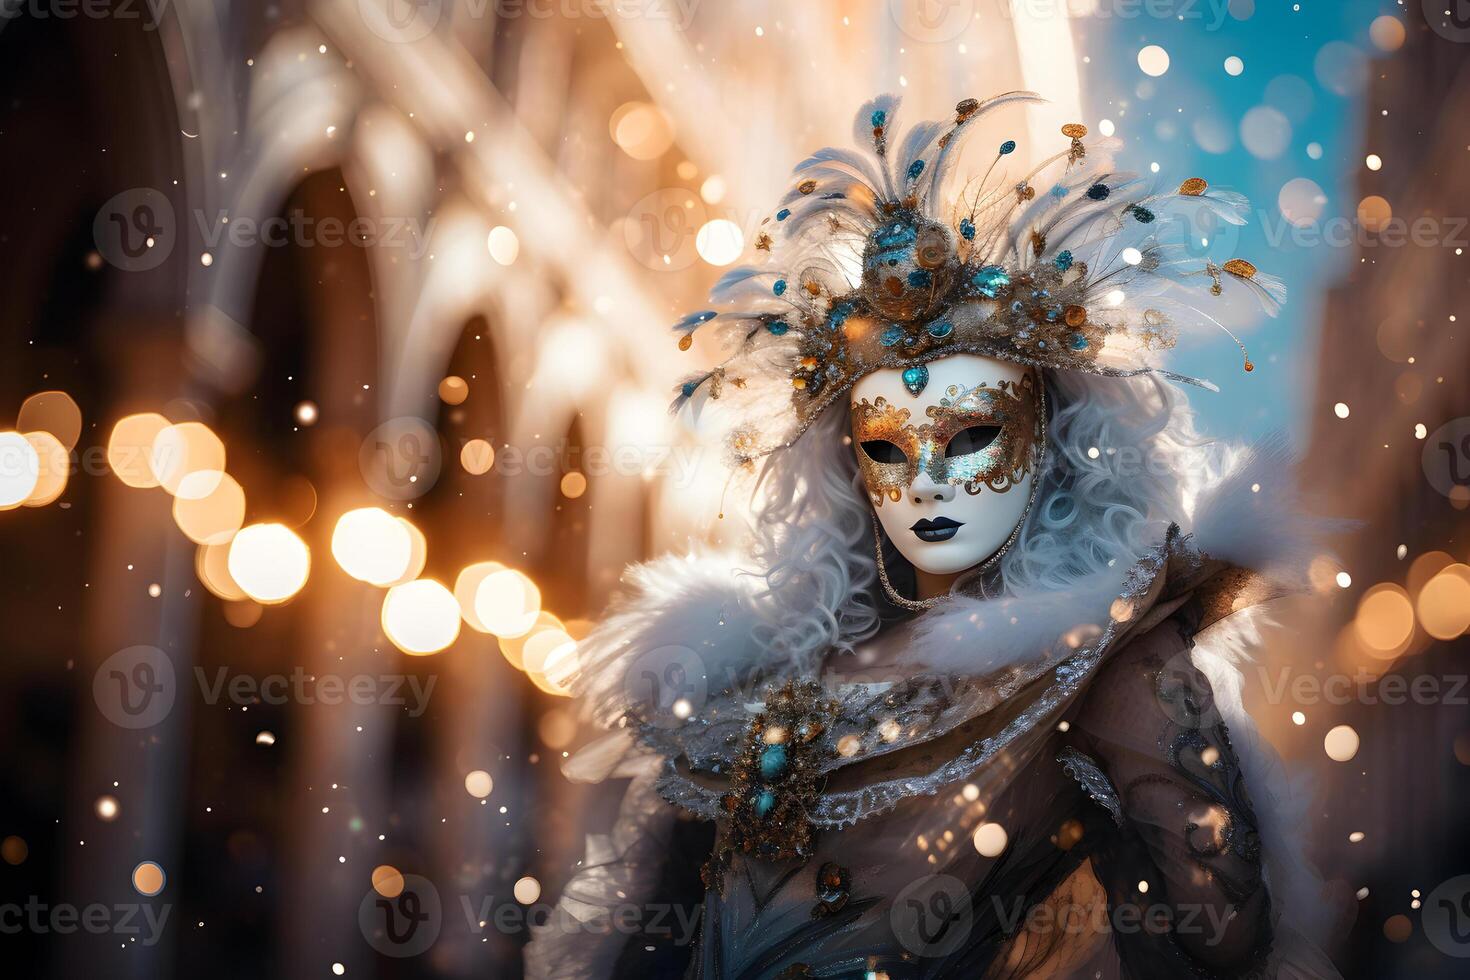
x,y
1082,812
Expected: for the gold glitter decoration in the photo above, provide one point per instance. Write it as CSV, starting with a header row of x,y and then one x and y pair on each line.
x,y
1241,268
982,282
1011,408
773,786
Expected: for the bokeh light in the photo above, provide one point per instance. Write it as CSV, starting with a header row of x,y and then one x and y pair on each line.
x,y
507,603
641,130
478,784
1153,60
148,878
503,244
1341,743
420,617
213,516
183,449
719,242
20,469
990,839
372,546
477,457
1444,603
269,562
53,468
54,412
1385,619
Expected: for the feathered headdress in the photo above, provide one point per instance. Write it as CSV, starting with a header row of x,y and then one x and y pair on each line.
x,y
871,265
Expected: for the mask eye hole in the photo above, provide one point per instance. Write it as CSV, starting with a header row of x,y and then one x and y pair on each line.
x,y
883,451
972,440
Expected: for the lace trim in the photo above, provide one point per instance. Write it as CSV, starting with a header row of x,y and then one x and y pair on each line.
x,y
1085,771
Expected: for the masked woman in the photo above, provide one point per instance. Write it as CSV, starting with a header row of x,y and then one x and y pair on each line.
x,y
967,704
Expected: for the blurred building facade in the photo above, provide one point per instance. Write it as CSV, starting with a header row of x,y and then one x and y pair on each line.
x,y
1387,452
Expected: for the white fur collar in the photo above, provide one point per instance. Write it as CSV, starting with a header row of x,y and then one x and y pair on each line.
x,y
706,603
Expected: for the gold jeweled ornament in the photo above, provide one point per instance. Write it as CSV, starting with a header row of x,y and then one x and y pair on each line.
x,y
775,780
877,262
1012,408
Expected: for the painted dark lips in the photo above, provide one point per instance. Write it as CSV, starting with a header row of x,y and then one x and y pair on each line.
x,y
939,529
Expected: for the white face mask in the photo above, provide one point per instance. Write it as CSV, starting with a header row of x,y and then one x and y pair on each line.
x,y
950,469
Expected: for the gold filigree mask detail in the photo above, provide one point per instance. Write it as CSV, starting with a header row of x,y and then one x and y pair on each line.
x,y
978,438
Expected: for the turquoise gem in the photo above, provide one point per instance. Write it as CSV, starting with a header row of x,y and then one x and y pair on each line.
x,y
780,287
990,280
773,762
915,379
778,327
891,335
765,802
1063,260
1079,342
1009,146
940,329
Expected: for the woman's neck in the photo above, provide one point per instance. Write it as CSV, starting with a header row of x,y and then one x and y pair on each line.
x,y
931,584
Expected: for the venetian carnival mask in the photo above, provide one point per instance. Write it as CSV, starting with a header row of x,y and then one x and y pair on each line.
x,y
949,454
